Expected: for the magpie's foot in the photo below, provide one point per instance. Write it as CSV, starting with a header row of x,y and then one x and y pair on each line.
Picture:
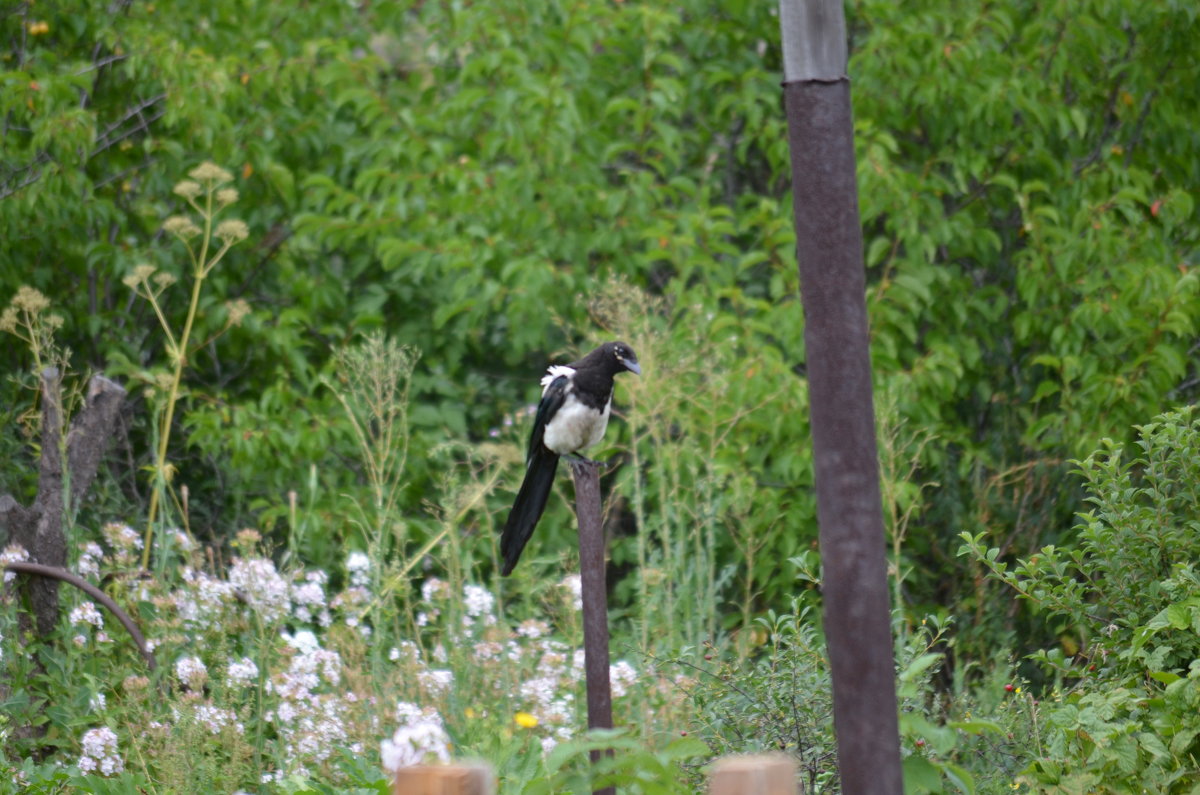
x,y
575,458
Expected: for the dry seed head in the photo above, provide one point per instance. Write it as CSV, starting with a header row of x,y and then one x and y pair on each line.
x,y
238,310
232,231
164,280
188,189
30,300
8,320
227,196
54,321
209,171
140,274
181,226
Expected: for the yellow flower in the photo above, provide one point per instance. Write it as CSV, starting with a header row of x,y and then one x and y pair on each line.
x,y
525,720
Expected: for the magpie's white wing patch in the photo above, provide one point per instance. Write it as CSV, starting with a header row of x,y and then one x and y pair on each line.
x,y
555,371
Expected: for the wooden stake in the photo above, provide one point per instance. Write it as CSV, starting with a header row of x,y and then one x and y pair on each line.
x,y
595,599
472,779
754,775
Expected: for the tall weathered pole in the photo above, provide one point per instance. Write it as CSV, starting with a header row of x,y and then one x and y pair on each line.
x,y
832,286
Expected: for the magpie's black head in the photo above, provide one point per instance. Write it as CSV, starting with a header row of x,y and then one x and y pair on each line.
x,y
624,356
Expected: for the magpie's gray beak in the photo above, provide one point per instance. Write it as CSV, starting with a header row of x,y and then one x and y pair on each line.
x,y
632,367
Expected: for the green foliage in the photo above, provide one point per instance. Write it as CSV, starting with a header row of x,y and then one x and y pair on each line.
x,y
502,184
631,767
1127,597
457,177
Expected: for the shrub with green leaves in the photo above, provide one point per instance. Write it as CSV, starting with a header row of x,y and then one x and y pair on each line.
x,y
1125,596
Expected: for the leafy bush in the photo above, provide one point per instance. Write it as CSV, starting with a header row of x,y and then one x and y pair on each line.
x,y
1125,596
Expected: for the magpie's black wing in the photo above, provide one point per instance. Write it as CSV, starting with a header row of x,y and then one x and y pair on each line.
x,y
552,400
540,466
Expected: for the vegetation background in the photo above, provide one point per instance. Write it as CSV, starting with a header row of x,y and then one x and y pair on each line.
x,y
444,197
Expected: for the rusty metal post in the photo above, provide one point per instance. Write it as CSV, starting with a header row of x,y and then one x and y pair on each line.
x,y
595,600
832,285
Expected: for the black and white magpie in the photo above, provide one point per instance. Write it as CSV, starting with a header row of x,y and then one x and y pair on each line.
x,y
572,416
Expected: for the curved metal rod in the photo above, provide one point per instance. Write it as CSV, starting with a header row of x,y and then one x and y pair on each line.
x,y
56,573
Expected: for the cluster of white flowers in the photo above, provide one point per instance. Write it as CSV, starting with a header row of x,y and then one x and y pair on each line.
x,y
262,586
215,719
420,738
574,584
533,629
309,720
181,540
551,693
433,588
90,555
203,601
308,598
100,752
86,613
480,604
192,672
123,540
13,553
241,672
352,602
407,652
436,683
358,566
621,676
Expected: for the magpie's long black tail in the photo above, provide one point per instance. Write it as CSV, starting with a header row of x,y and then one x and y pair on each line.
x,y
528,507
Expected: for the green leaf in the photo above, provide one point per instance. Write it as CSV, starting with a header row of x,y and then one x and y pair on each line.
x,y
920,775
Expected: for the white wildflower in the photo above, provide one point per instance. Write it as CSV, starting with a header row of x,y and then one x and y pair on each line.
x,y
100,752
13,553
308,598
358,565
433,588
86,613
121,537
415,743
574,584
533,629
479,603
264,588
192,672
215,719
437,683
622,676
241,672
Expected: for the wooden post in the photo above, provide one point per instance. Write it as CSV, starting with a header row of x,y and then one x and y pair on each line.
x,y
472,779
595,599
837,348
770,774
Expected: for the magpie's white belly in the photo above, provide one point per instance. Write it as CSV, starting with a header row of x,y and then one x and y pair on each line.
x,y
575,427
